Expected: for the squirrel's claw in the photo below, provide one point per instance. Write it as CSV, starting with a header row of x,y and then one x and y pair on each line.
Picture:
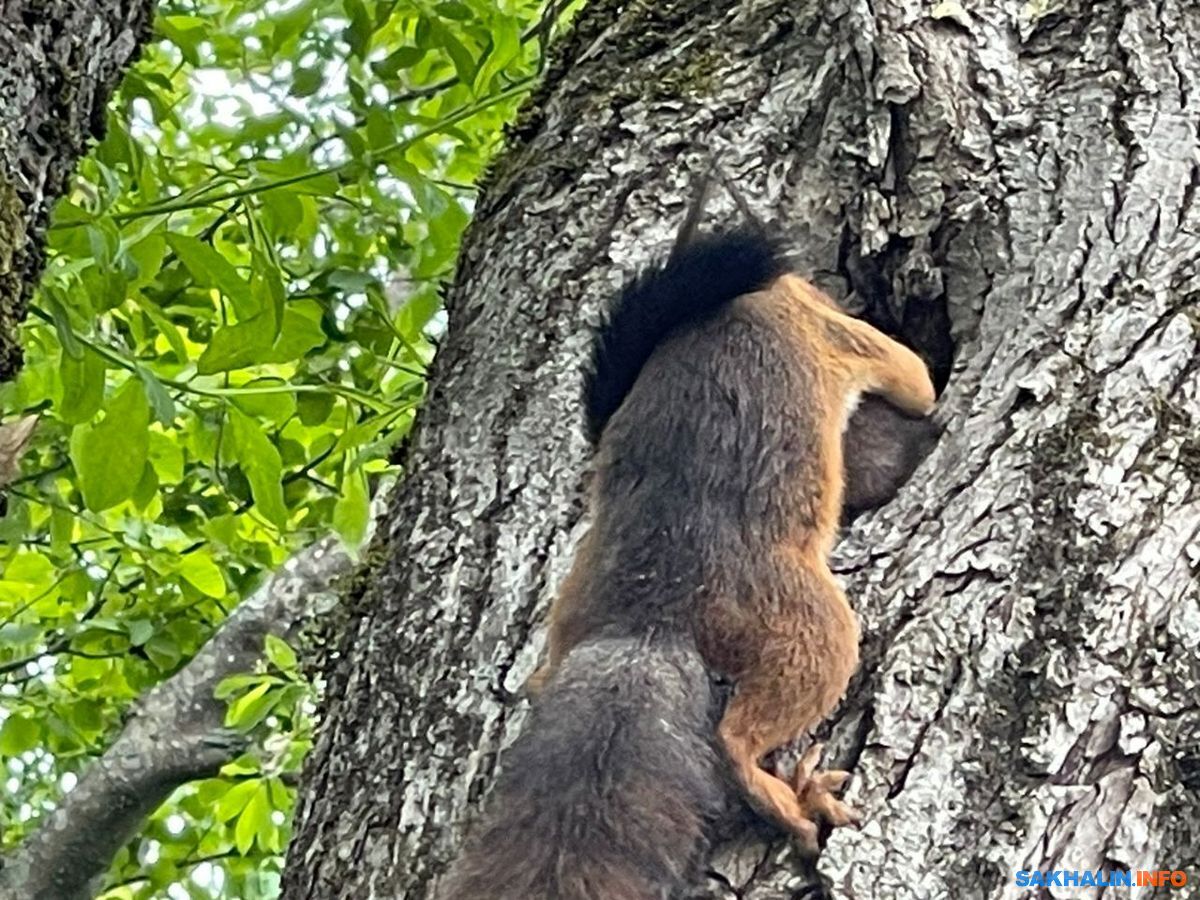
x,y
815,790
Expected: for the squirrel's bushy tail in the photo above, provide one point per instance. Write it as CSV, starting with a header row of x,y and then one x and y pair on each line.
x,y
610,789
698,279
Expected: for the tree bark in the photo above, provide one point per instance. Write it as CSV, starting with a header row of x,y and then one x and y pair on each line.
x,y
174,734
1013,189
60,61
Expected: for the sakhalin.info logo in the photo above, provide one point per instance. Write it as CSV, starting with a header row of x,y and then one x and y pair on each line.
x,y
1111,878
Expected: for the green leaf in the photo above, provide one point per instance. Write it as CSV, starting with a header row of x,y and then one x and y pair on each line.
x,y
146,489
163,651
62,530
162,874
300,333
147,256
222,529
140,631
235,800
164,326
397,61
62,324
358,34
251,708
12,634
276,407
18,734
313,408
86,715
505,47
280,654
104,288
211,269
238,346
352,511
261,465
266,287
255,820
383,12
199,570
257,129
307,82
361,433
103,241
68,213
105,624
464,61
82,387
109,456
249,343
423,33
416,314
292,23
26,574
186,33
453,9
167,458
232,685
246,764
381,131
351,280
164,406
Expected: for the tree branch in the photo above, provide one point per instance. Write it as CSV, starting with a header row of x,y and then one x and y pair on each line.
x,y
175,734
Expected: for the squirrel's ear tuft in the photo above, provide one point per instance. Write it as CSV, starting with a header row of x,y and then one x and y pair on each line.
x,y
689,230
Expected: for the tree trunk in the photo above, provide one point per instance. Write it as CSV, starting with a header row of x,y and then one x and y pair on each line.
x,y
1011,188
59,63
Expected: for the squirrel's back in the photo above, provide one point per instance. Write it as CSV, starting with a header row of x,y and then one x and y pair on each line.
x,y
725,448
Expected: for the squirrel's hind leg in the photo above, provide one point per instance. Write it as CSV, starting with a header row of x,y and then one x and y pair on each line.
x,y
772,797
796,678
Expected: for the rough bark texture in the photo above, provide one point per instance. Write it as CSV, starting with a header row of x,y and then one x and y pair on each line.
x,y
175,734
1014,184
59,63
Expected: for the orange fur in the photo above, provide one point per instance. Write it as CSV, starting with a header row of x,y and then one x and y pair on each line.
x,y
805,642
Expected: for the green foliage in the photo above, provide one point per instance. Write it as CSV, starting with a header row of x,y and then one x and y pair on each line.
x,y
231,336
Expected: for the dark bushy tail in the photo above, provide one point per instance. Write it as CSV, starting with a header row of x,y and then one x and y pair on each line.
x,y
697,280
611,788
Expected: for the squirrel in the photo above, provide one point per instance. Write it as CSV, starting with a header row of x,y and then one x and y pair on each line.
x,y
717,398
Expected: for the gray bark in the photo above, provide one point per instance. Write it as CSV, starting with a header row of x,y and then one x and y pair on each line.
x,y
1018,179
174,734
59,63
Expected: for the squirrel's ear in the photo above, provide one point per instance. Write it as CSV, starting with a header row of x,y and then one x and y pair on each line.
x,y
753,222
691,222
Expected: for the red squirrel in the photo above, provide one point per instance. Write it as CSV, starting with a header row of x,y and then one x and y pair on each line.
x,y
717,397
